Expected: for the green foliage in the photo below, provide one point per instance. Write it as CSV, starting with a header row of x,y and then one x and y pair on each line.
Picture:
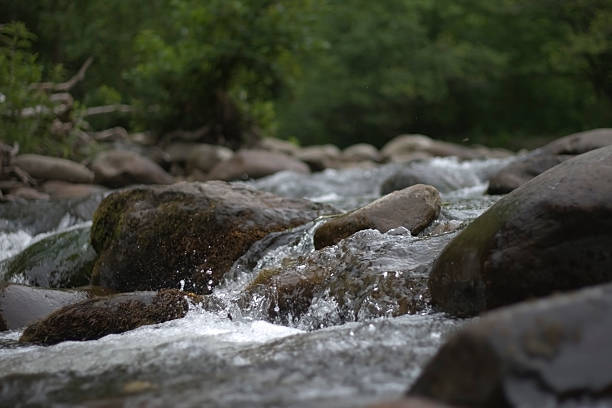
x,y
454,69
324,71
18,70
219,64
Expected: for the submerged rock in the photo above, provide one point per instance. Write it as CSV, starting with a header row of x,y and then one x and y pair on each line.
x,y
21,305
95,318
148,238
53,168
61,260
365,276
540,160
119,168
551,352
252,164
413,208
551,234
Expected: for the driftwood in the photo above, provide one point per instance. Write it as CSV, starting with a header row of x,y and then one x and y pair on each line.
x,y
99,110
65,86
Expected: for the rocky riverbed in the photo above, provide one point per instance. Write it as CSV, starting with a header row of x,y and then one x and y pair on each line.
x,y
317,284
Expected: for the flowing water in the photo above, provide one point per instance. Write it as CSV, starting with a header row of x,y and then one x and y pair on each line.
x,y
340,352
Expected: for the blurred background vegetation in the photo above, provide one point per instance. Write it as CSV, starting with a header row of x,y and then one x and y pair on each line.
x,y
501,72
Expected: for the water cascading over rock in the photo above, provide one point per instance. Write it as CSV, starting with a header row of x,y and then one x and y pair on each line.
x,y
148,238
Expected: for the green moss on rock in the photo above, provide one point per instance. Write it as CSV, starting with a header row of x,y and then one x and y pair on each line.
x,y
149,238
63,260
95,318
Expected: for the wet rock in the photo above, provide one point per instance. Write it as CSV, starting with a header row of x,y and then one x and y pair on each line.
x,y
53,168
361,152
319,157
551,234
21,305
554,352
365,276
149,238
540,160
277,145
252,164
521,171
95,318
63,260
62,189
444,179
205,157
413,208
582,142
25,193
409,146
119,168
26,216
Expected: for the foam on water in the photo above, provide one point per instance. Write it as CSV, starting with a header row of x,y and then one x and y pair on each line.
x,y
149,343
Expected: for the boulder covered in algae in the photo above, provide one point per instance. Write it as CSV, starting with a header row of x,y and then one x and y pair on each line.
x,y
551,234
190,234
95,318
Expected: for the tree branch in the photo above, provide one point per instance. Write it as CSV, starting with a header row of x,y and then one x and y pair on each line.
x,y
65,86
99,110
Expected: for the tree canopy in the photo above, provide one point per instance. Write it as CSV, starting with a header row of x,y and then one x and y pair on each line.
x,y
321,71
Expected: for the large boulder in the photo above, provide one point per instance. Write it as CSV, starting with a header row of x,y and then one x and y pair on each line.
x,y
53,168
61,260
21,305
413,208
252,164
95,318
149,238
554,352
119,168
540,160
551,234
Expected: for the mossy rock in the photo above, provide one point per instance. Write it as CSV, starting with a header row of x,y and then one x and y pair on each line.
x,y
148,238
349,276
95,318
551,234
63,260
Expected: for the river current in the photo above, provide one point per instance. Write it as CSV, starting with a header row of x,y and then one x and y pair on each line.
x,y
334,355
